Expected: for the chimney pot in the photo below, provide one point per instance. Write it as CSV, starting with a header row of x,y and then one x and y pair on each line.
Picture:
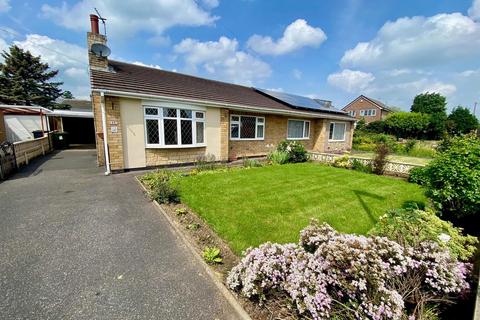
x,y
94,23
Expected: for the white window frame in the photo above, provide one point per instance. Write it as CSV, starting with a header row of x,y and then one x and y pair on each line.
x,y
352,113
257,123
374,112
160,117
362,113
303,129
334,124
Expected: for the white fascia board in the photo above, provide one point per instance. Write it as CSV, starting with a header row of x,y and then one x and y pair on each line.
x,y
237,107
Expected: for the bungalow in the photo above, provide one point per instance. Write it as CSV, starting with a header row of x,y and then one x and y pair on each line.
x,y
146,117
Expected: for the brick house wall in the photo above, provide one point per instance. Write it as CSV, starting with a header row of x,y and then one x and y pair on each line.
x,y
364,104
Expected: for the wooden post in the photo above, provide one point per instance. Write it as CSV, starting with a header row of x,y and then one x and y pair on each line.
x,y
26,157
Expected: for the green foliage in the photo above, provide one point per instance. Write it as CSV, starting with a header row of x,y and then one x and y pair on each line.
x,y
193,226
296,151
410,145
429,103
162,186
407,124
412,227
454,178
181,211
205,162
67,95
381,153
342,162
376,126
24,79
360,124
461,121
212,255
360,166
278,157
251,163
418,175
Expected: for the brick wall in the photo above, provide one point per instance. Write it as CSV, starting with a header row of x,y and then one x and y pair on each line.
x,y
364,104
158,157
225,134
93,60
97,117
3,133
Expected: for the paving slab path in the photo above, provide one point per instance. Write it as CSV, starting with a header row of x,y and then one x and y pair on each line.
x,y
75,244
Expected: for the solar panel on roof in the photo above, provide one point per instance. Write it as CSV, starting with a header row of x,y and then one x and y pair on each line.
x,y
300,101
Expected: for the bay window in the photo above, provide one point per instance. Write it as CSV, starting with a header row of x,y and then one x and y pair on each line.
x,y
337,131
298,129
247,128
173,127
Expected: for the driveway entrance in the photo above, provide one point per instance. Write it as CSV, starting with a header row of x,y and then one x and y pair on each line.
x,y
75,244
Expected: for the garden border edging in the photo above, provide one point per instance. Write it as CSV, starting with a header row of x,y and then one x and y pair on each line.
x,y
219,284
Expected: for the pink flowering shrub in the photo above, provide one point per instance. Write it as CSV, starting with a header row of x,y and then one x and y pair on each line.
x,y
334,275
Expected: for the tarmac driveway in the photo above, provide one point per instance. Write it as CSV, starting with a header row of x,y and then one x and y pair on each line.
x,y
75,244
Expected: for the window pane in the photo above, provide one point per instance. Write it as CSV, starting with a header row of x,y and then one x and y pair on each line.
x,y
152,131
200,132
339,132
306,134
186,114
330,133
260,120
151,111
170,131
187,131
247,125
295,129
235,118
199,115
234,130
260,131
172,113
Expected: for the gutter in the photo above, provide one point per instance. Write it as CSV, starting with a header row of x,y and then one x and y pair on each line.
x,y
105,134
207,103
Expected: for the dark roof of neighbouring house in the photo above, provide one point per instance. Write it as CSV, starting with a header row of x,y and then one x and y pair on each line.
x,y
77,103
378,103
137,79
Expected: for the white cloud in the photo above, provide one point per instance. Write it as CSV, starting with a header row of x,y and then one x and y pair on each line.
x,y
474,10
69,59
139,63
211,3
297,74
296,36
276,89
125,18
223,60
5,5
351,81
418,42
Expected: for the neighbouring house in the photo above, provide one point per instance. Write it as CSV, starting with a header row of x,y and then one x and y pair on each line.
x,y
367,108
147,117
21,121
77,121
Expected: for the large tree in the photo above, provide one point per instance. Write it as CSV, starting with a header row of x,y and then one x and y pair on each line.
x,y
24,79
435,105
461,121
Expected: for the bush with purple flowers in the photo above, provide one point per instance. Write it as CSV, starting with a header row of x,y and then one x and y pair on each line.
x,y
333,275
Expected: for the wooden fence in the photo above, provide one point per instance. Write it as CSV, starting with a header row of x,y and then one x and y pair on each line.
x,y
29,149
391,168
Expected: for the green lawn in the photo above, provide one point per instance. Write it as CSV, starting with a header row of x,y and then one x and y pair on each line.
x,y
273,203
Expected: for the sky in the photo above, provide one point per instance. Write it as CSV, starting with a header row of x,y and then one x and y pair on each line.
x,y
335,50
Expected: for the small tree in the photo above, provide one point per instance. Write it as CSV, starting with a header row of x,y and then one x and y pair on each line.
x,y
360,124
407,124
24,79
381,153
461,121
67,95
435,105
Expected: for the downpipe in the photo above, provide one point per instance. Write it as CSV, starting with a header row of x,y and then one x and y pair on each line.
x,y
105,134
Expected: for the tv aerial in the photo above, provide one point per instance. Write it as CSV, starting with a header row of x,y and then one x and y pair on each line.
x,y
103,21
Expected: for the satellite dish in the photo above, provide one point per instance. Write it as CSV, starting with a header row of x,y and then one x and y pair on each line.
x,y
100,50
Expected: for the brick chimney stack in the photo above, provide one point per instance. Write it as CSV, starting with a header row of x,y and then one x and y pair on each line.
x,y
94,36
